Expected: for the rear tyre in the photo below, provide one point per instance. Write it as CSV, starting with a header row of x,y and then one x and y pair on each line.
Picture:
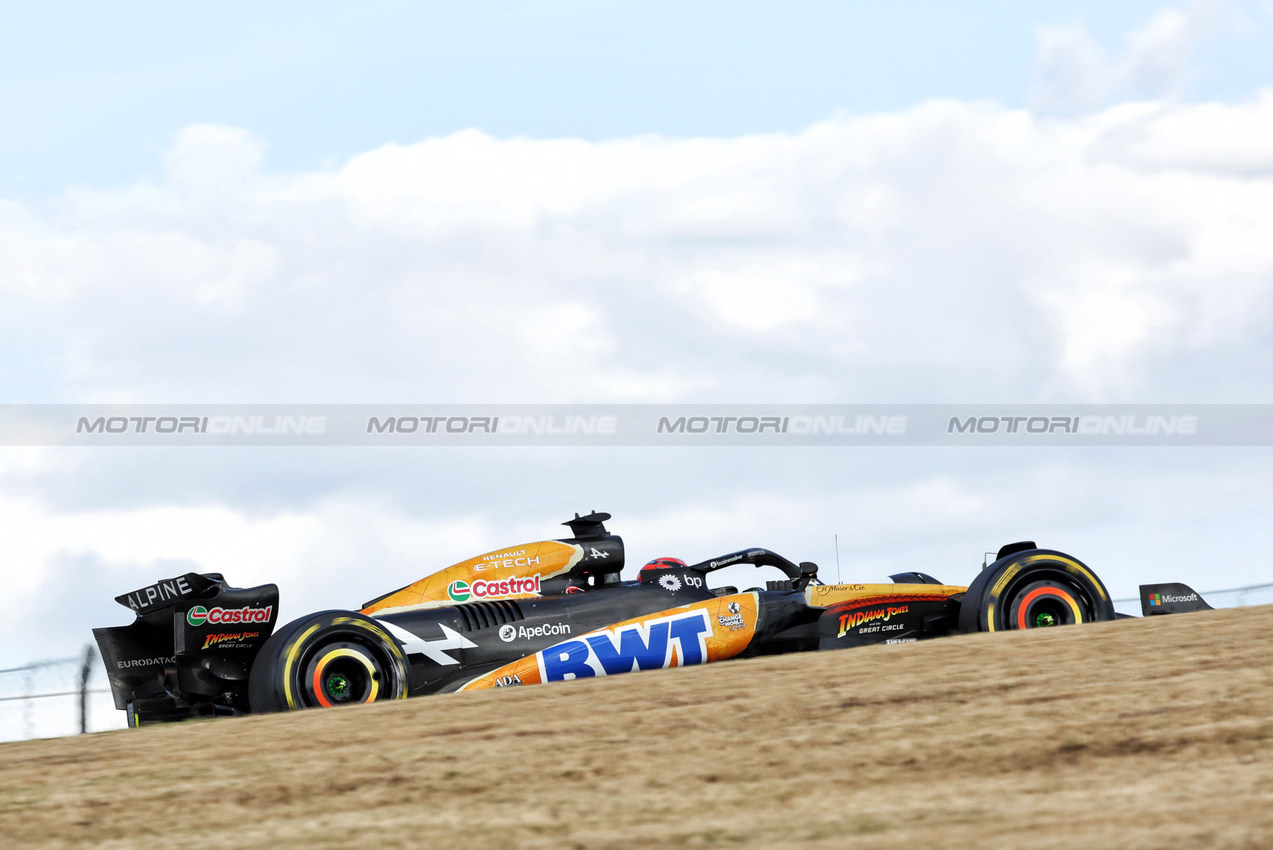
x,y
1034,589
327,659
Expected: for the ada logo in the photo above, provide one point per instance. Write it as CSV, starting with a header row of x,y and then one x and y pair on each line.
x,y
460,590
647,645
507,633
198,615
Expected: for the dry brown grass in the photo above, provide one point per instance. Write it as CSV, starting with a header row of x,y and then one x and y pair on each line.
x,y
1152,733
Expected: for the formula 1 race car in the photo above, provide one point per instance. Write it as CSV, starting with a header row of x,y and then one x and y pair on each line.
x,y
552,611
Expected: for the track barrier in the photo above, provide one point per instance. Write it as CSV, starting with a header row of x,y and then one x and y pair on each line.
x,y
55,697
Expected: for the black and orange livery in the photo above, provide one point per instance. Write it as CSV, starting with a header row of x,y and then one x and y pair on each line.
x,y
551,611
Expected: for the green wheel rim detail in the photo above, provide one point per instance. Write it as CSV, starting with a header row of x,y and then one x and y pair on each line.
x,y
338,686
1044,619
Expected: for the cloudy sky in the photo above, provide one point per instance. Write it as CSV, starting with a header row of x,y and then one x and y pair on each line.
x,y
985,202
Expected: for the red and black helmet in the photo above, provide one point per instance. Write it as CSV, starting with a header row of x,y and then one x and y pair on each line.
x,y
660,564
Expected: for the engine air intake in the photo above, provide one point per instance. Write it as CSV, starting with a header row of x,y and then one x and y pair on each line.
x,y
487,615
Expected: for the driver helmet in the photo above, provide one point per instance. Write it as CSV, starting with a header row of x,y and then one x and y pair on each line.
x,y
659,564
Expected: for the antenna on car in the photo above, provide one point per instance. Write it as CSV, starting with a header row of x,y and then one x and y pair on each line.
x,y
985,562
837,559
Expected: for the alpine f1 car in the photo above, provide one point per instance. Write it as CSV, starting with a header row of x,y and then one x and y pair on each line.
x,y
552,611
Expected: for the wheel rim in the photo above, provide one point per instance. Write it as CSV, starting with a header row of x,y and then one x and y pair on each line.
x,y
1046,604
342,673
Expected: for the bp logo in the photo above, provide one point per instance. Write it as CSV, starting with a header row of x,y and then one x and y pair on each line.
x,y
507,633
458,591
670,582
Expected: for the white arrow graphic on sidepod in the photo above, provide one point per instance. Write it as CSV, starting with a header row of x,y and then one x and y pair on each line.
x,y
434,650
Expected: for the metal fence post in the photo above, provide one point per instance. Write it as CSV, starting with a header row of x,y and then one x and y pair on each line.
x,y
85,672
28,725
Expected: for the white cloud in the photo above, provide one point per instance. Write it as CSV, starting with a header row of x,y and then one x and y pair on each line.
x,y
1227,140
1037,258
208,159
1105,326
1074,74
757,299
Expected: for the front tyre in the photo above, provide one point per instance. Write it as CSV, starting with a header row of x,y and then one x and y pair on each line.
x,y
1034,589
327,659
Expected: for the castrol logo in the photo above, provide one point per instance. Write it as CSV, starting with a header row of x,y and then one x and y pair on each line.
x,y
198,615
462,591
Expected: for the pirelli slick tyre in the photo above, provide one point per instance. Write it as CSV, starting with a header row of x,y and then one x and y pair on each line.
x,y
327,659
1036,588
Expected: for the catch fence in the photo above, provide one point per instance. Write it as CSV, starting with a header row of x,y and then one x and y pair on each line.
x,y
61,696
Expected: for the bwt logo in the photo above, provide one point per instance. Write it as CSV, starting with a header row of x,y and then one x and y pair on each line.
x,y
640,646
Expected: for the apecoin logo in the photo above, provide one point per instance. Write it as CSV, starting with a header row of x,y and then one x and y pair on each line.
x,y
509,633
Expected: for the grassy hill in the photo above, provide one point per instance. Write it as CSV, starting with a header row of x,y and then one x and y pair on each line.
x,y
1146,733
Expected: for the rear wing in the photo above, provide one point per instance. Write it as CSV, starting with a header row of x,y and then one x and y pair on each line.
x,y
190,648
1170,598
